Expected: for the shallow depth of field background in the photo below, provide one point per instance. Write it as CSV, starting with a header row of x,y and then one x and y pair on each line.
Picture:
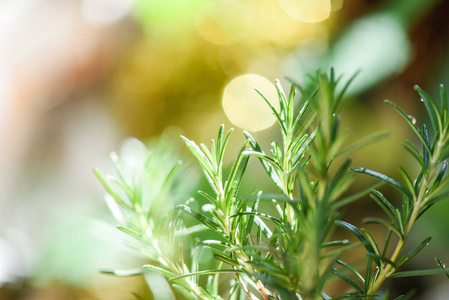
x,y
77,77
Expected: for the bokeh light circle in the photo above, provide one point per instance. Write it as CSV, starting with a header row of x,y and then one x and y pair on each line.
x,y
244,107
309,11
224,22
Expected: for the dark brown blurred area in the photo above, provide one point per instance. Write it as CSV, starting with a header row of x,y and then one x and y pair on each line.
x,y
77,77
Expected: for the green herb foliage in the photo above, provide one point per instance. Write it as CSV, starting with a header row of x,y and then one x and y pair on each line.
x,y
281,246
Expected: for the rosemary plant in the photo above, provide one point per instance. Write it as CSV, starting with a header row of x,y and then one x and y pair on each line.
x,y
281,245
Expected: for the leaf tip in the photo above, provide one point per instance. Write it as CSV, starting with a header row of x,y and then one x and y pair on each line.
x,y
357,169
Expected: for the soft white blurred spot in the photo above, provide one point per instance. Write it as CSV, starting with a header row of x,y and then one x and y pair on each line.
x,y
309,11
208,207
224,22
10,268
133,160
245,107
159,286
16,254
103,12
378,46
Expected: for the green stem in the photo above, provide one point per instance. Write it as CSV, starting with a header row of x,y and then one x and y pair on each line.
x,y
245,288
388,270
195,289
286,176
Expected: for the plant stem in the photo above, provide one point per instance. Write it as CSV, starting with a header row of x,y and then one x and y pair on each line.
x,y
286,176
418,204
390,269
195,289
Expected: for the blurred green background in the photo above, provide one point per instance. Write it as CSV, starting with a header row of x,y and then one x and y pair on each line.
x,y
77,77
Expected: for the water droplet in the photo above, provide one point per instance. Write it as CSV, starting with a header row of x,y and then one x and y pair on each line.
x,y
412,119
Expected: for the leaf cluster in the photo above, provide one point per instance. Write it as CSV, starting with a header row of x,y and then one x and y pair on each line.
x,y
281,246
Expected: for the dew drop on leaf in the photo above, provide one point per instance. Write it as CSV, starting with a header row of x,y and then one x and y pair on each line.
x,y
411,118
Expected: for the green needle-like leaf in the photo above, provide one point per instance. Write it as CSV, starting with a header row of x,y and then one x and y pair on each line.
x,y
268,166
237,171
208,197
130,232
264,157
381,258
339,98
415,153
270,105
336,243
384,223
419,273
208,272
125,273
369,140
170,175
432,109
348,280
362,238
201,218
442,266
444,105
426,154
441,173
407,180
166,273
219,148
351,269
357,195
384,178
108,187
411,121
387,207
262,215
224,145
414,251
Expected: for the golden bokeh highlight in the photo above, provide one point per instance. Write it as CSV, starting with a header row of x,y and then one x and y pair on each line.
x,y
263,61
224,22
278,27
244,107
336,4
309,11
